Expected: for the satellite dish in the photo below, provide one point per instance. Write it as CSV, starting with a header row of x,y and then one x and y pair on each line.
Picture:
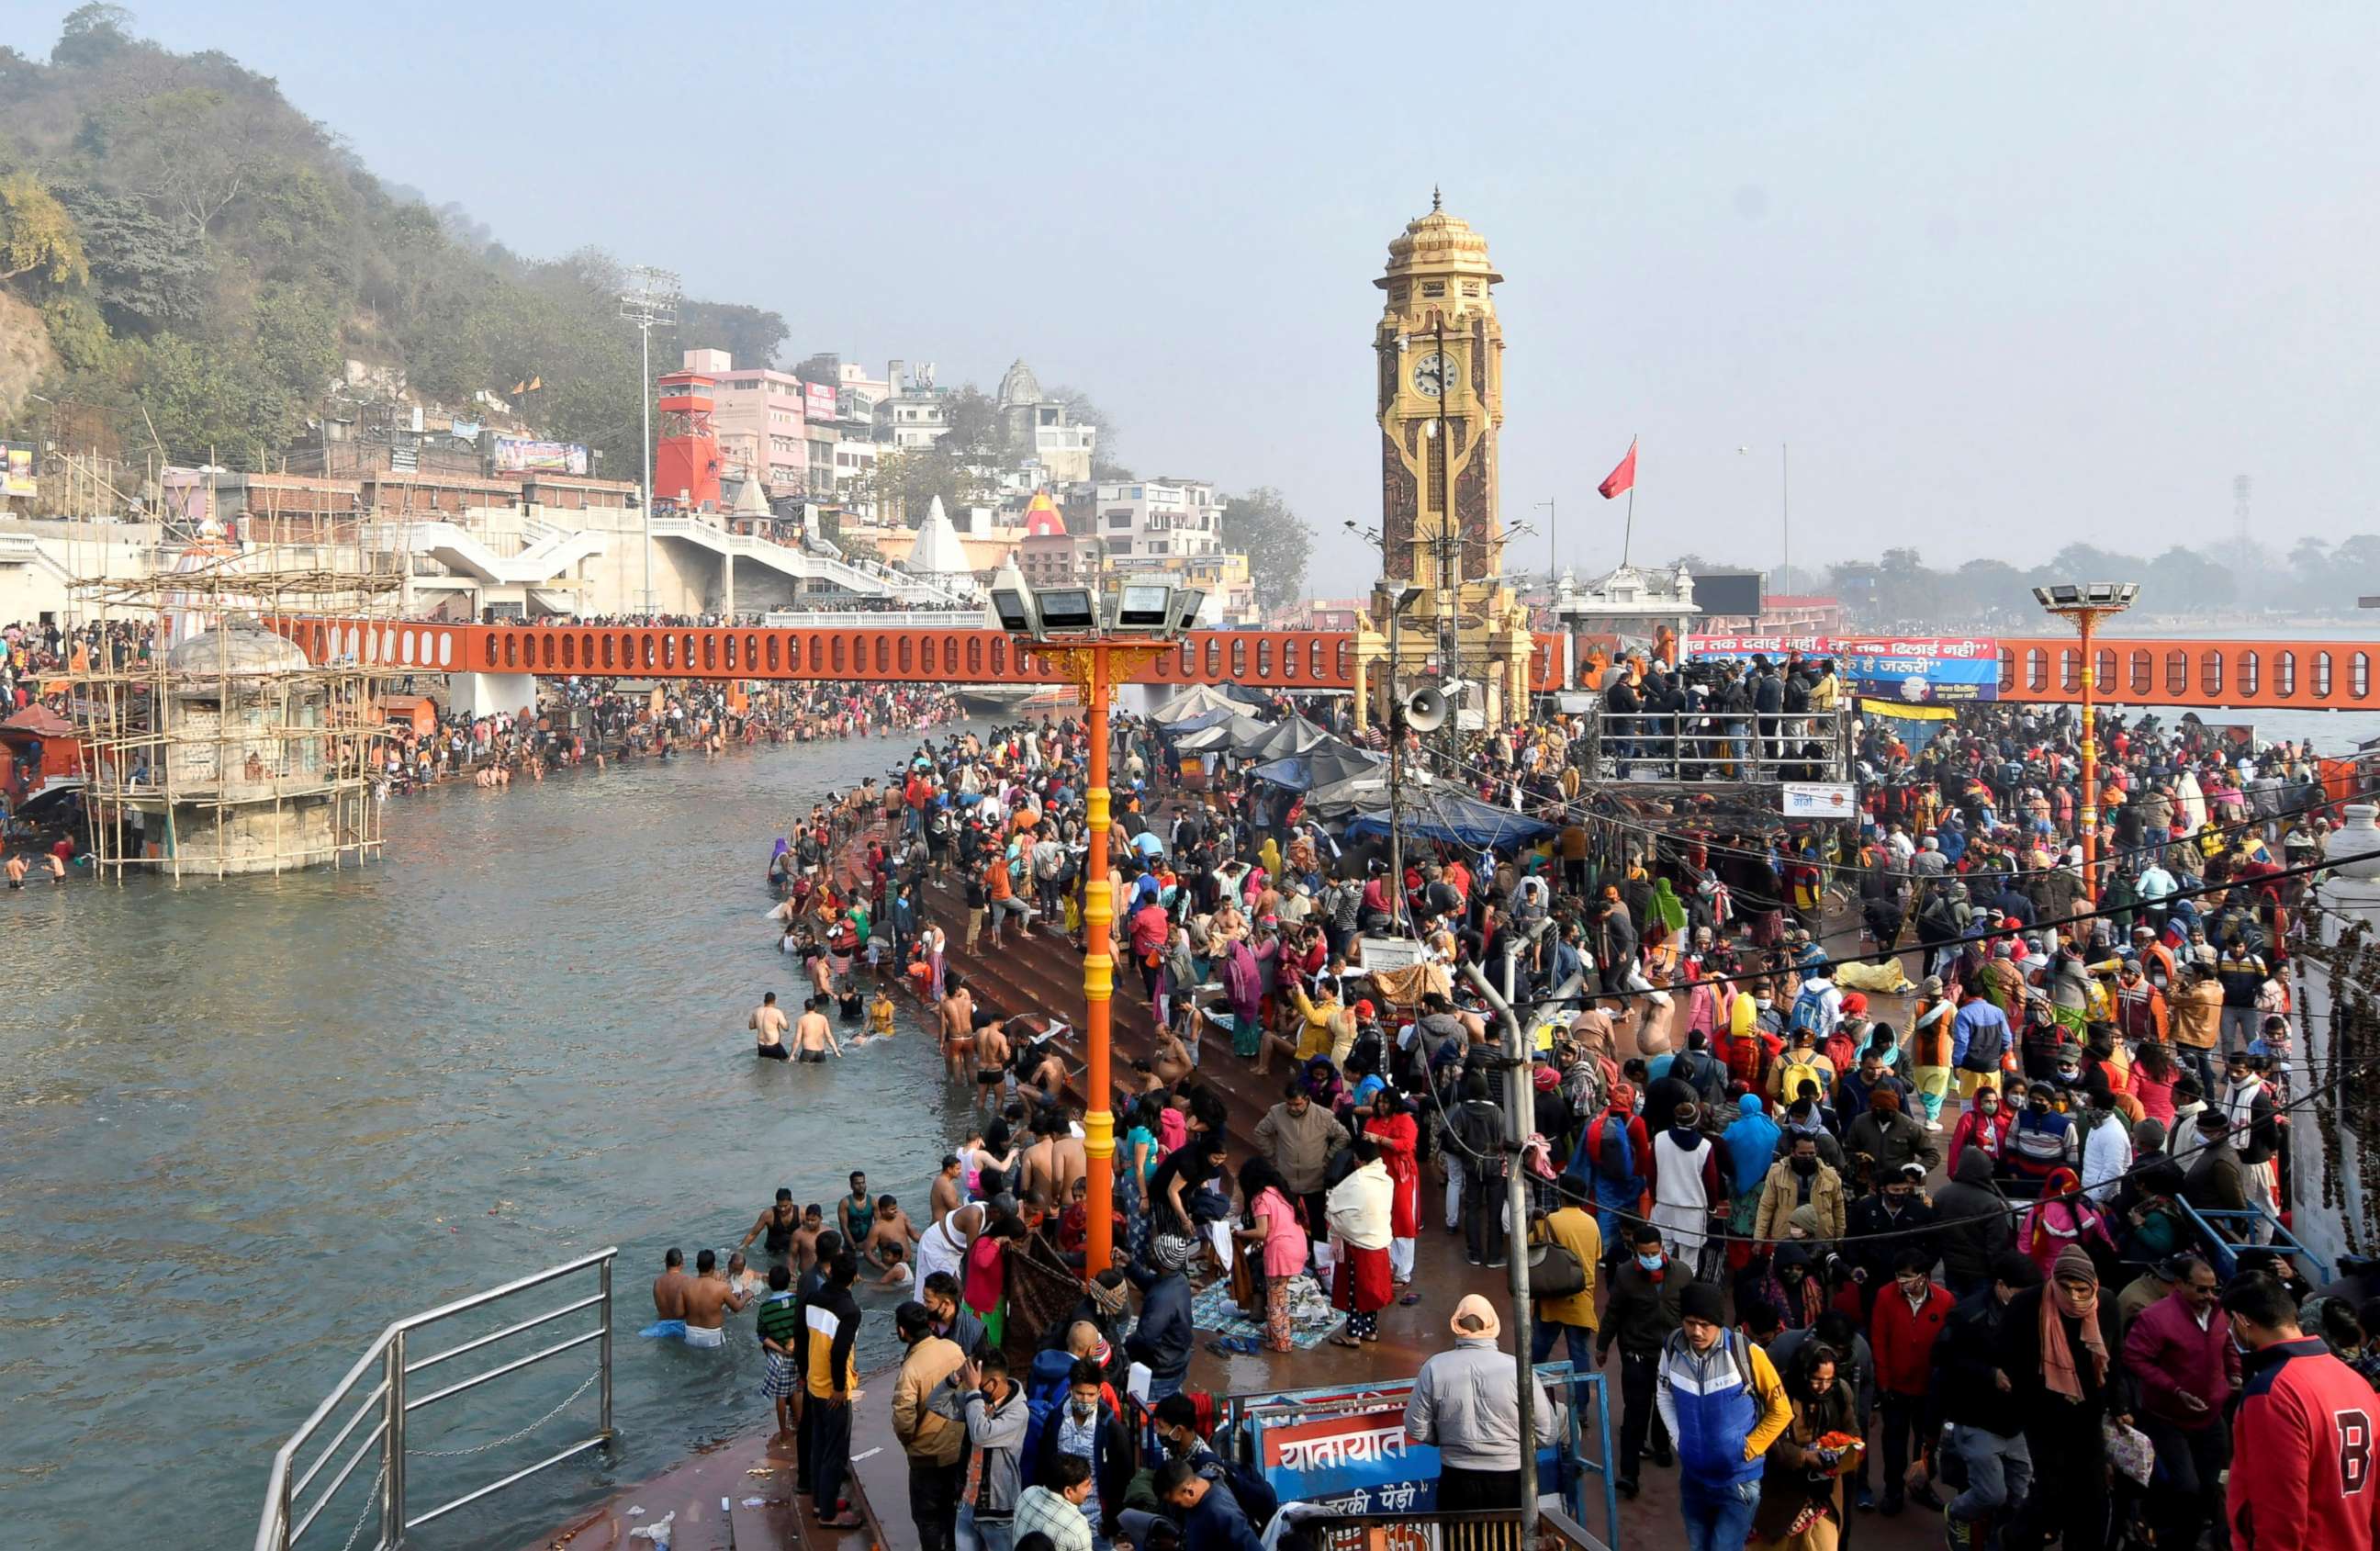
x,y
1426,711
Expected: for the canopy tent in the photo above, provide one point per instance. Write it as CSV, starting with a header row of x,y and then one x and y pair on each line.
x,y
1237,733
1197,700
1198,723
1445,815
1294,736
1337,798
1327,762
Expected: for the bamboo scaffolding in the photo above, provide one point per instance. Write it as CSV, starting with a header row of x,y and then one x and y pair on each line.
x,y
254,759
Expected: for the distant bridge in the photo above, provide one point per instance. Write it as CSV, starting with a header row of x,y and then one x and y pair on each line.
x,y
2208,676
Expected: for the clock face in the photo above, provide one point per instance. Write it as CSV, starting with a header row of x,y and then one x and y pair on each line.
x,y
1433,374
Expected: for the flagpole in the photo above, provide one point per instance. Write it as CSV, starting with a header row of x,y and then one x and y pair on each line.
x,y
1628,533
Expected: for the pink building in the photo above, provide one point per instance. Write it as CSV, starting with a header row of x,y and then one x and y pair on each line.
x,y
758,420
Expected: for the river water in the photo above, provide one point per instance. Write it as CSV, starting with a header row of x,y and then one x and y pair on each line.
x,y
247,1124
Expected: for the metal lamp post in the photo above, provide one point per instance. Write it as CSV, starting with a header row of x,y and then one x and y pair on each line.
x,y
2083,605
1097,660
651,297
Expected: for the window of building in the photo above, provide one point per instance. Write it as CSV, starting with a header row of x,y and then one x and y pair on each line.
x,y
1433,287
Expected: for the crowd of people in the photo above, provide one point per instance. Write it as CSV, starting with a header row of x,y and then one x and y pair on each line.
x,y
1811,1217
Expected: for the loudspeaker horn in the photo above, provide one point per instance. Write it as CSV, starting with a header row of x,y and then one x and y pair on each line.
x,y
1426,711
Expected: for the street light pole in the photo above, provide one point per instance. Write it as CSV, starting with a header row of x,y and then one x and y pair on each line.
x,y
1098,977
2084,605
650,297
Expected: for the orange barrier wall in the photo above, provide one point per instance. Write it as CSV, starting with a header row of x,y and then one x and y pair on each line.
x,y
1289,659
2208,675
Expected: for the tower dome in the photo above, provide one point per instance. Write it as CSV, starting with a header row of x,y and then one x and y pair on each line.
x,y
1439,244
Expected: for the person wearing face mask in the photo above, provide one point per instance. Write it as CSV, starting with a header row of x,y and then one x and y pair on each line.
x,y
1647,1300
1880,1226
2042,1141
1800,1179
2300,1439
1907,1322
1807,1115
1753,1045
1983,1128
1088,1428
2058,1359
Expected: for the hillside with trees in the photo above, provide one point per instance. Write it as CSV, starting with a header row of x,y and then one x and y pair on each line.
x,y
187,263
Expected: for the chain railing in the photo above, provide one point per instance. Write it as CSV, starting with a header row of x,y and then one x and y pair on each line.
x,y
377,1398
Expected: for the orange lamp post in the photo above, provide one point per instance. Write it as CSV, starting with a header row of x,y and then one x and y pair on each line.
x,y
2084,606
1096,666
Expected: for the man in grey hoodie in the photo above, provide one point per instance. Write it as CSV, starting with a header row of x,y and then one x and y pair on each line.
x,y
992,1405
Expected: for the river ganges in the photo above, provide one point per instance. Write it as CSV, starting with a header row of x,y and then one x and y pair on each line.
x,y
249,1124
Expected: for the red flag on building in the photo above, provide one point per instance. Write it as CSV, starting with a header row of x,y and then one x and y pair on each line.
x,y
1622,477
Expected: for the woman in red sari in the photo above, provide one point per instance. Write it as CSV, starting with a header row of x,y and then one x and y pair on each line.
x,y
1398,1136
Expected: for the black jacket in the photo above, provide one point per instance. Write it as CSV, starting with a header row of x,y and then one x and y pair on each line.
x,y
1964,1361
1973,1217
1642,1313
2063,1422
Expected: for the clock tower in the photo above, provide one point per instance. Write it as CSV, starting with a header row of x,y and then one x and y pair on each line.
x,y
1440,354
1441,402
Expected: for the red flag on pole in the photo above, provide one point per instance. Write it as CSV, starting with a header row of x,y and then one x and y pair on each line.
x,y
1622,477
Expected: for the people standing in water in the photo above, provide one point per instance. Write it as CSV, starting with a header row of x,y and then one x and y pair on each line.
x,y
768,1025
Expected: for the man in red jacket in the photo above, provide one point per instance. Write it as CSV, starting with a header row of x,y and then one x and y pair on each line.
x,y
2302,1444
2183,1359
1907,1323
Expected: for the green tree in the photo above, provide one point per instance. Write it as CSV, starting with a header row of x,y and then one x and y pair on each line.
x,y
977,431
37,236
92,34
145,273
749,333
1276,540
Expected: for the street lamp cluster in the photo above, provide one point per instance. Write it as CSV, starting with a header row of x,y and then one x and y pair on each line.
x,y
1069,615
1098,642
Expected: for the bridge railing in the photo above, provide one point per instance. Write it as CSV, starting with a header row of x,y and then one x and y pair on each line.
x,y
377,1398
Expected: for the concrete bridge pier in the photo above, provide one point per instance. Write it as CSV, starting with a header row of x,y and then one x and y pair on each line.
x,y
487,694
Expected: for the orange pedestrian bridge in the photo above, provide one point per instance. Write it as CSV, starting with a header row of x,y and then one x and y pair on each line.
x,y
2205,675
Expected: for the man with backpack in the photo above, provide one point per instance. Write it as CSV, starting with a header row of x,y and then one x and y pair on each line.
x,y
1818,1006
1612,1159
1722,1401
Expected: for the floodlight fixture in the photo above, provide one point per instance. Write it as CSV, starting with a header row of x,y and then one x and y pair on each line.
x,y
1145,606
1067,611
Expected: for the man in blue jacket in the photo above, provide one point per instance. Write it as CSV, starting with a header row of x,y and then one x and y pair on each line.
x,y
1724,1404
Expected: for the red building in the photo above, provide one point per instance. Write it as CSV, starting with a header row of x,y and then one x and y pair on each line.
x,y
686,458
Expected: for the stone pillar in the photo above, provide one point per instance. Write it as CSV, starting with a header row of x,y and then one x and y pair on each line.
x,y
489,693
2348,893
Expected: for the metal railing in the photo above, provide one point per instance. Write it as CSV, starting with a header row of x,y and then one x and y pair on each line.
x,y
379,1388
2223,1252
1444,1531
1680,746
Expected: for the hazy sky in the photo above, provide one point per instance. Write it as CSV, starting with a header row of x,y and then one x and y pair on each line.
x,y
2003,276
